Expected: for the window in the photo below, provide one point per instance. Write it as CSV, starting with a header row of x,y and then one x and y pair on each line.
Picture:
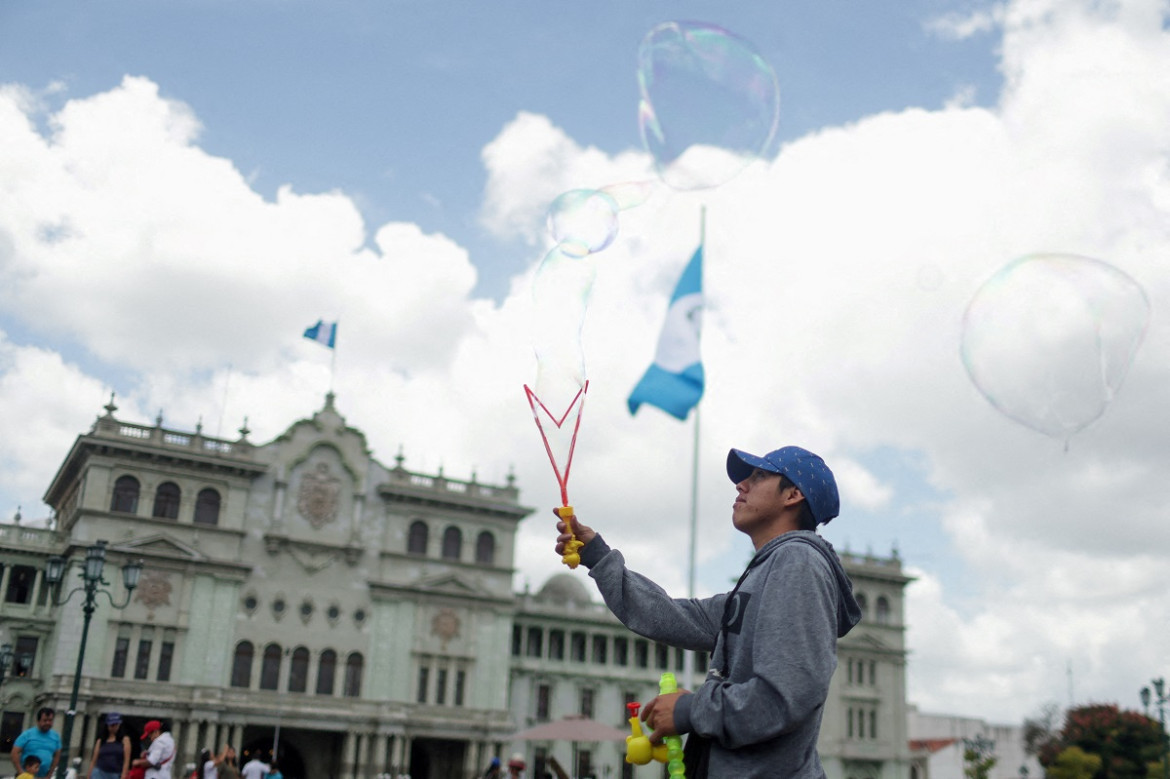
x,y
166,501
661,656
20,584
352,687
882,610
543,699
11,726
586,707
166,653
207,507
577,647
535,642
326,668
142,661
298,670
460,684
872,672
485,548
452,543
270,667
25,655
424,674
441,687
416,541
680,659
641,653
125,496
121,651
621,651
862,604
517,640
849,723
584,762
241,664
600,649
873,723
556,645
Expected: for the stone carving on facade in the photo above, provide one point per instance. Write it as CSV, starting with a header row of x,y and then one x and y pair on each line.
x,y
154,590
312,560
319,496
445,626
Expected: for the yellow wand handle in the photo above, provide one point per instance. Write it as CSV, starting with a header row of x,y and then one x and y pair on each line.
x,y
570,557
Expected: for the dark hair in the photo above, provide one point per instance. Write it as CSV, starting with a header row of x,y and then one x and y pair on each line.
x,y
45,710
805,521
29,761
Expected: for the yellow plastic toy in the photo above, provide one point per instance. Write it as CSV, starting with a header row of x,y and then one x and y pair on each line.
x,y
570,557
639,750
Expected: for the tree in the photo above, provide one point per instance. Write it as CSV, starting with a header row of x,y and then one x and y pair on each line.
x,y
977,764
1073,763
1125,741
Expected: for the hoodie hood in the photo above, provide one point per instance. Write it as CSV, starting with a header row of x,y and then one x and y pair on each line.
x,y
848,612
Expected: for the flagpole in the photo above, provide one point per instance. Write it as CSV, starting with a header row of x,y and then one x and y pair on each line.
x,y
689,659
333,356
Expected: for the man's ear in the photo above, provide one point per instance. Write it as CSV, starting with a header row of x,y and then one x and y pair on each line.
x,y
795,497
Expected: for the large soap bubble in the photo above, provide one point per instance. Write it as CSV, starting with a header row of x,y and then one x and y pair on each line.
x,y
709,103
1049,339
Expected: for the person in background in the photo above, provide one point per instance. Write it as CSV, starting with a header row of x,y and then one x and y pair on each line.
x,y
274,771
40,740
493,769
29,767
255,768
227,767
160,751
516,766
111,752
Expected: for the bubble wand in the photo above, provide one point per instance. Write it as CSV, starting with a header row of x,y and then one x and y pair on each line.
x,y
570,557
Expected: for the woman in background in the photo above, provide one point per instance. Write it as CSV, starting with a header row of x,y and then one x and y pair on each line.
x,y
111,752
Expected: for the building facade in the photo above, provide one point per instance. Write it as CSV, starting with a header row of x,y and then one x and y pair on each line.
x,y
357,617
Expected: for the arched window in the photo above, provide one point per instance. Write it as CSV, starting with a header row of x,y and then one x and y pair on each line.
x,y
326,668
298,670
207,507
166,501
882,610
353,676
452,543
242,665
862,604
270,667
125,495
416,542
485,548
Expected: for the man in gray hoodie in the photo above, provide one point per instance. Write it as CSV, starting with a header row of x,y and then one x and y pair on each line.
x,y
772,639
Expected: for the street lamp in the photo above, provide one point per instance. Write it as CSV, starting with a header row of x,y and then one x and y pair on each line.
x,y
1160,699
91,578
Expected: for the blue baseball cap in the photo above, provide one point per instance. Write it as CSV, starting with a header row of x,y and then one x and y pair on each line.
x,y
803,468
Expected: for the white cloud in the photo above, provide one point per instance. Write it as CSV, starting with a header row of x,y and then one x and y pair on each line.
x,y
837,276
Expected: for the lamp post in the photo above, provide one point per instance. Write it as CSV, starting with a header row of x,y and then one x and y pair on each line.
x,y
91,579
1161,699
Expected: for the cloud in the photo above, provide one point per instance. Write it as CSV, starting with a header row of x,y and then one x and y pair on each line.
x,y
836,276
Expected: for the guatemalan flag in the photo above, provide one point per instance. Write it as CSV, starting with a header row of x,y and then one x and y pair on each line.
x,y
324,333
674,382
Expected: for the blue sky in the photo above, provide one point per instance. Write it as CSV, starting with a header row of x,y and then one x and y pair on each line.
x,y
186,186
392,102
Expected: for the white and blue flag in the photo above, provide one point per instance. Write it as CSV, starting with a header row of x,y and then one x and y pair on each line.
x,y
674,382
324,333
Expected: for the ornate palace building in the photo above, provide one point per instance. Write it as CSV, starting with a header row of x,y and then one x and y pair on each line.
x,y
358,617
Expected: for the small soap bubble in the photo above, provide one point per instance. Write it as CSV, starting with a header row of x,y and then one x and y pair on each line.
x,y
1049,339
709,104
583,221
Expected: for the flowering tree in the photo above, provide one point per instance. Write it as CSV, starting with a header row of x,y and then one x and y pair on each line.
x,y
1125,741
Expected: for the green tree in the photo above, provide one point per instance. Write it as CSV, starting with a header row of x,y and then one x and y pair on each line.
x,y
1125,741
977,764
1073,763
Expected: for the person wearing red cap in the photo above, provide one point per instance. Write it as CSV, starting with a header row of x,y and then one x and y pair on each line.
x,y
772,639
160,752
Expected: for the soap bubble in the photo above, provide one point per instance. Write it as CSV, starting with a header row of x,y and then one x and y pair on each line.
x,y
709,103
583,221
1049,338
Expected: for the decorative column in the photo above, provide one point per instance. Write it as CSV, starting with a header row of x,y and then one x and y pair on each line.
x,y
348,751
380,742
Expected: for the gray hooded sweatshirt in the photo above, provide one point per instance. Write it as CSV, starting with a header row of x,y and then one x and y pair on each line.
x,y
773,645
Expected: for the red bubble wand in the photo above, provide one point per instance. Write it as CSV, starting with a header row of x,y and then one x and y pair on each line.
x,y
570,557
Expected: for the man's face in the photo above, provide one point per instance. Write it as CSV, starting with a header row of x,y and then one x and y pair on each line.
x,y
759,501
45,722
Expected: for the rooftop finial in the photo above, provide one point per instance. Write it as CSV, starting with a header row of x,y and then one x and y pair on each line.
x,y
329,396
244,430
16,519
158,420
110,407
